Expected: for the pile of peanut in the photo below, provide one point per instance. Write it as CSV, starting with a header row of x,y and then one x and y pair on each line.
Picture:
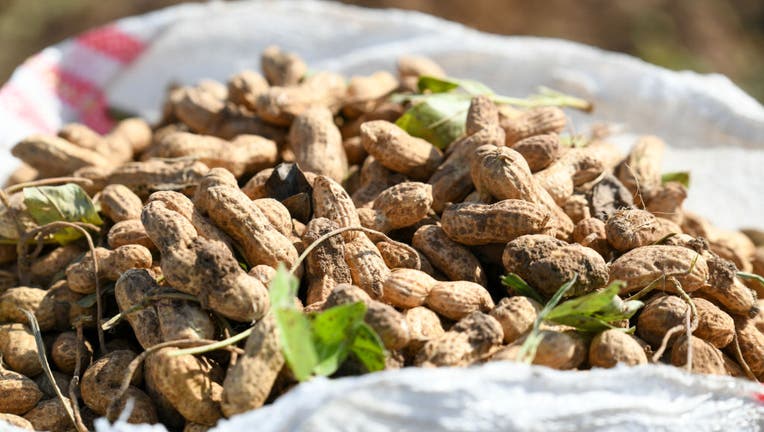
x,y
236,179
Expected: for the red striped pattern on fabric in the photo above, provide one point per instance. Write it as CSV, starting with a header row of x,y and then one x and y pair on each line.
x,y
15,100
83,97
113,42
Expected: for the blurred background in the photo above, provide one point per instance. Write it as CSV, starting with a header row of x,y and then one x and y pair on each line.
x,y
724,36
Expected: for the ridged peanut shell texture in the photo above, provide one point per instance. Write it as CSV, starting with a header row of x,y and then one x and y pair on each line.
x,y
547,263
647,264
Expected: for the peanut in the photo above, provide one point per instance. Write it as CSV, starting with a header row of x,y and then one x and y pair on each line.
x,y
424,325
611,347
666,201
282,68
18,394
516,316
448,256
280,105
396,255
55,157
143,178
375,178
325,265
119,203
202,267
398,206
398,151
186,382
725,287
317,143
231,210
539,151
535,121
640,172
547,263
577,208
706,358
367,267
660,264
630,229
574,168
452,181
470,339
332,202
592,233
455,300
14,301
243,155
207,113
64,352
250,381
14,420
480,224
502,173
244,88
751,345
364,92
111,264
17,344
129,232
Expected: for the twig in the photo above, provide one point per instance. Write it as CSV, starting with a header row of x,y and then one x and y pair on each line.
x,y
81,227
144,303
741,360
35,327
74,384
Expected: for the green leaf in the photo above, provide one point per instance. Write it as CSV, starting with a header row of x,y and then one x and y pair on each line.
x,y
750,276
296,342
445,85
283,289
69,203
682,177
333,331
439,118
435,85
528,349
368,347
595,311
521,287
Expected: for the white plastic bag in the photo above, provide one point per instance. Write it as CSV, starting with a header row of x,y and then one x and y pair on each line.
x,y
713,129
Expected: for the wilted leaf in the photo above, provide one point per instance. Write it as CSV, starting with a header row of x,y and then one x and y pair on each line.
x,y
333,332
595,311
69,203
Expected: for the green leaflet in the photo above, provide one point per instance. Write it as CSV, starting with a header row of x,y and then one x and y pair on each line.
x,y
595,311
682,177
521,287
333,332
438,118
69,203
296,342
367,346
317,343
444,85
